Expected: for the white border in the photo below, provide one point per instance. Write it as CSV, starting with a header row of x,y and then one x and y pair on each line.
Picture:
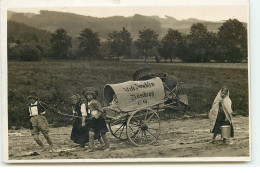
x,y
5,4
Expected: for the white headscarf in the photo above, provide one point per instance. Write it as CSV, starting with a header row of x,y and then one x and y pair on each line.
x,y
226,104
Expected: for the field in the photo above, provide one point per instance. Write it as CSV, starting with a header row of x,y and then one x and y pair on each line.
x,y
56,81
183,137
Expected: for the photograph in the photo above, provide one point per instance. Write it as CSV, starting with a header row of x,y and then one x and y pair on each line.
x,y
120,82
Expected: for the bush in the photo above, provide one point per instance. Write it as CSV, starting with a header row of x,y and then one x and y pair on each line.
x,y
29,53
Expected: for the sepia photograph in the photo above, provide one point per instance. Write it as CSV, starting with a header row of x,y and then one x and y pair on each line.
x,y
123,82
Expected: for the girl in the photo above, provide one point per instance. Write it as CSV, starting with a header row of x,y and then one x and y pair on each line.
x,y
80,132
221,113
94,112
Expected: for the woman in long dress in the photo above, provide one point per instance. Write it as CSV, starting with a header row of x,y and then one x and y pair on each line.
x,y
221,113
79,133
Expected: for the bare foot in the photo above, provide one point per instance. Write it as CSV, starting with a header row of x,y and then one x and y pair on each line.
x,y
212,142
53,150
43,149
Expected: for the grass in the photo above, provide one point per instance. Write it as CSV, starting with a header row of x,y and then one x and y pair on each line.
x,y
56,81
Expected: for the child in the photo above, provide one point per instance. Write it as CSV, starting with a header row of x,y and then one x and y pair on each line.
x,y
96,120
80,132
36,112
221,113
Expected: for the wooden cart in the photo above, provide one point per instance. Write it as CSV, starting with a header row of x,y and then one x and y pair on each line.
x,y
139,103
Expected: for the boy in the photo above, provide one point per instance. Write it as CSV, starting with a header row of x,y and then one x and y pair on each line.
x,y
36,112
96,120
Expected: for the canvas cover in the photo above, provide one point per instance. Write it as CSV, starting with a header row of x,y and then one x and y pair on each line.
x,y
133,95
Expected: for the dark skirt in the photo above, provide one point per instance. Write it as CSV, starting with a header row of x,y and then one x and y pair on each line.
x,y
98,125
220,121
101,125
79,134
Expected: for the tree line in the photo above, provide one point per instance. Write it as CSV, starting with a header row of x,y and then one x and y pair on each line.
x,y
229,44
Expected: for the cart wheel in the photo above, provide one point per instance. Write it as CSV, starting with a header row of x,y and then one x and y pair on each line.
x,y
143,127
117,128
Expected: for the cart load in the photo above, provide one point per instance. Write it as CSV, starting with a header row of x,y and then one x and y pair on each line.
x,y
134,95
170,81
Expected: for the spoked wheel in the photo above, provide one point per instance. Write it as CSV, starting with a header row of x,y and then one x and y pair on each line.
x,y
117,128
143,127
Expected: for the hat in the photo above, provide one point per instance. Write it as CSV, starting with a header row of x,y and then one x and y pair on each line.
x,y
91,90
74,95
143,74
32,95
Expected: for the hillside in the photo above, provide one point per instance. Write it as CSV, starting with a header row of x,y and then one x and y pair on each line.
x,y
50,21
74,23
26,34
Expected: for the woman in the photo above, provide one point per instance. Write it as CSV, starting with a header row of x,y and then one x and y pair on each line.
x,y
79,133
221,113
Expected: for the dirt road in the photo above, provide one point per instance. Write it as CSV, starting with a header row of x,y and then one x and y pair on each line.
x,y
179,138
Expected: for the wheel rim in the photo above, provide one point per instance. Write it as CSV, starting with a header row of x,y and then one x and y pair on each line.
x,y
143,127
117,128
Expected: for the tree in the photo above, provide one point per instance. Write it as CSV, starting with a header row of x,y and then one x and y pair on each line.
x,y
29,53
170,45
198,44
120,43
60,44
233,41
147,42
127,42
13,53
89,43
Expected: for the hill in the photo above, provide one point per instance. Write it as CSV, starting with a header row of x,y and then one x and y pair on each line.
x,y
74,23
19,32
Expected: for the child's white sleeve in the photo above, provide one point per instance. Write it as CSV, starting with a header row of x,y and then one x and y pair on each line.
x,y
83,110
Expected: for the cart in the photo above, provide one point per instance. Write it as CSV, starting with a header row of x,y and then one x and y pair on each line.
x,y
136,116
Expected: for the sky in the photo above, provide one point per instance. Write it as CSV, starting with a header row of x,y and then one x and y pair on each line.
x,y
209,13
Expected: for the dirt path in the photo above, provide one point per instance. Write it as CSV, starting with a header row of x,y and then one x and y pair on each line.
x,y
179,138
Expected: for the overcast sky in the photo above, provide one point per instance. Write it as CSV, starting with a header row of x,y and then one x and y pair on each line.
x,y
210,13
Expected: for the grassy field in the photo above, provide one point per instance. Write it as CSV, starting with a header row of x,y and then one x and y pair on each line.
x,y
56,81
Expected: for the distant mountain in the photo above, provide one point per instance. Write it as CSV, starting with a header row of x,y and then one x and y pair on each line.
x,y
74,23
19,32
9,14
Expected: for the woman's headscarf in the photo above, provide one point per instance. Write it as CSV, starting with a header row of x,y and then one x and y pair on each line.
x,y
226,107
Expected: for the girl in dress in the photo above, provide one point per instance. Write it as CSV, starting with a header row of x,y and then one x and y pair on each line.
x,y
221,113
94,113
